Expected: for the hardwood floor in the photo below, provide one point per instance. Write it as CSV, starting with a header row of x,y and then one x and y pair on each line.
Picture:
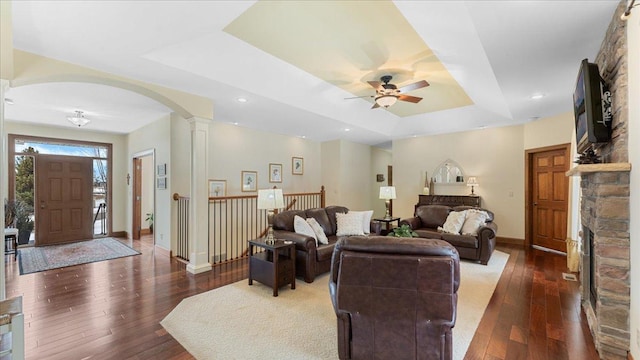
x,y
112,309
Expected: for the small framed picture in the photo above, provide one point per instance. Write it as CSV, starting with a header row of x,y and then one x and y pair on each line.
x,y
249,180
275,173
161,183
217,188
297,165
162,170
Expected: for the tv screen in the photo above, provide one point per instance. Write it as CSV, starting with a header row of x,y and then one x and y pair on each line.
x,y
592,107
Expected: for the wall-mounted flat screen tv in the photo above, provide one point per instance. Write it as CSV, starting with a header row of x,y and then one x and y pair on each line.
x,y
591,107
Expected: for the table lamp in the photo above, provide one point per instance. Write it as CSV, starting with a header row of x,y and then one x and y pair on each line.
x,y
472,181
387,193
270,199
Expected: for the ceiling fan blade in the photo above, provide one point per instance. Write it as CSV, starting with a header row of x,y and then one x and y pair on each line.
x,y
358,97
375,105
417,85
409,98
375,84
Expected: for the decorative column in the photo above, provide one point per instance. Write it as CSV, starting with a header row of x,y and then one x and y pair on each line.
x,y
199,210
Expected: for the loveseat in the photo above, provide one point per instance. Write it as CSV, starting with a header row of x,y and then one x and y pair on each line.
x,y
475,245
394,298
312,259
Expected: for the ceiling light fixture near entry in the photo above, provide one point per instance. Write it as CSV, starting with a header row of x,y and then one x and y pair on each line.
x,y
78,119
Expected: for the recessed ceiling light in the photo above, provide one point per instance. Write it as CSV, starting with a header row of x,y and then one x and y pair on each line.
x,y
8,101
534,118
303,136
537,96
347,129
242,100
235,123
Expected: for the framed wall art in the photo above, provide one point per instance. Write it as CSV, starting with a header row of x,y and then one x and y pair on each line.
x,y
217,188
161,183
249,181
275,173
161,170
297,165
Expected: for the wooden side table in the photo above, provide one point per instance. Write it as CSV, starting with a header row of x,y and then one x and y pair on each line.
x,y
275,267
388,222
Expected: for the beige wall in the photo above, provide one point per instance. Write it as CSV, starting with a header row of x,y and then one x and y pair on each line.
x,y
234,149
331,170
119,156
6,41
154,137
380,159
495,156
633,43
347,167
549,131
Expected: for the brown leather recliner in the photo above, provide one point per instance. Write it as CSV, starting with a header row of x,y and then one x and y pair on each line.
x,y
395,298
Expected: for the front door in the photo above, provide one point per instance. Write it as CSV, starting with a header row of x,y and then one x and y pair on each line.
x,y
550,193
64,199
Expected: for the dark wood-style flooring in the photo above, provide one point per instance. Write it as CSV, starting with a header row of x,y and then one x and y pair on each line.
x,y
112,309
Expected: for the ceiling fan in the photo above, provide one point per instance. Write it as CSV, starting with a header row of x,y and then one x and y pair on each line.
x,y
387,94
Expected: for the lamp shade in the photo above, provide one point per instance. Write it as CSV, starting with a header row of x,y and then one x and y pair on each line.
x,y
270,199
386,100
472,181
387,192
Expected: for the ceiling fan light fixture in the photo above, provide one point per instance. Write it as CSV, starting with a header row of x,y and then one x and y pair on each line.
x,y
78,119
386,100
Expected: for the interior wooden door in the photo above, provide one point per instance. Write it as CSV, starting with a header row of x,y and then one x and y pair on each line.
x,y
64,199
550,194
137,198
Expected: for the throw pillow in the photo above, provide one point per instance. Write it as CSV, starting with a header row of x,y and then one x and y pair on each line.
x,y
366,219
454,222
301,226
321,237
349,224
473,221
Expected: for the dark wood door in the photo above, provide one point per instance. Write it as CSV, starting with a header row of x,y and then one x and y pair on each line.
x,y
64,199
137,197
550,192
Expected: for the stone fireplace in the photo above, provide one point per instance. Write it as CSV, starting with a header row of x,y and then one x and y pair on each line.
x,y
605,264
604,210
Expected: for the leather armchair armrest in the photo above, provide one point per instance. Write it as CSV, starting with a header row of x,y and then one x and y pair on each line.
x,y
303,242
487,241
375,227
414,222
488,231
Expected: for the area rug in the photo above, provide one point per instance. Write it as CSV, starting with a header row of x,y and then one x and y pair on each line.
x,y
36,259
239,321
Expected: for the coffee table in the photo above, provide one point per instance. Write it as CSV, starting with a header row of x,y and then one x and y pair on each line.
x,y
275,266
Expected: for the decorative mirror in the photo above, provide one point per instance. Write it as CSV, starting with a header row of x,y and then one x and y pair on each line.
x,y
449,172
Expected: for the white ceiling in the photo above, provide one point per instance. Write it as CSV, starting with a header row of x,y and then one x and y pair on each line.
x,y
500,52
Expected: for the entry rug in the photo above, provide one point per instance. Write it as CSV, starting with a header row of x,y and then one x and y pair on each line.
x,y
36,259
239,321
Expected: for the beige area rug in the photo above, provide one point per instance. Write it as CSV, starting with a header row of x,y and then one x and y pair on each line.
x,y
239,321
